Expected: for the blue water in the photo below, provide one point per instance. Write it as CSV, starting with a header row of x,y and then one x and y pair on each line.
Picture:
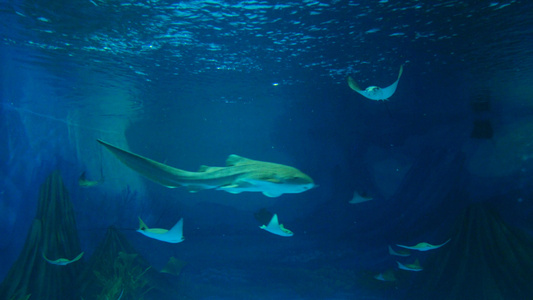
x,y
191,82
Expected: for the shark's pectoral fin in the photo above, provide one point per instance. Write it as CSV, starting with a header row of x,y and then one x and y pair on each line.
x,y
230,188
273,180
194,188
272,194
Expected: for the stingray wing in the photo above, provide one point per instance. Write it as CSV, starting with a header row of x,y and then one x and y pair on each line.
x,y
176,232
387,92
353,85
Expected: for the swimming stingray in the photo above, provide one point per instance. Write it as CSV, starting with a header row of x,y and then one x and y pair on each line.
x,y
357,198
84,182
424,246
410,267
270,223
386,276
62,261
402,252
174,235
239,175
374,92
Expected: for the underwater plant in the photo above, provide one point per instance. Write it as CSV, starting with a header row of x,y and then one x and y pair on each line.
x,y
124,278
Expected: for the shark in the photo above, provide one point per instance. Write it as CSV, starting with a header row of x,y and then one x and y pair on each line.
x,y
239,175
415,267
424,246
173,235
62,261
375,92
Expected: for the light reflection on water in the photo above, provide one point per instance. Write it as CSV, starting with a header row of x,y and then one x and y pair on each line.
x,y
127,56
195,37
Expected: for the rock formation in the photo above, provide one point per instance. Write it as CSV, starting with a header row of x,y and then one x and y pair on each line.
x,y
53,234
485,259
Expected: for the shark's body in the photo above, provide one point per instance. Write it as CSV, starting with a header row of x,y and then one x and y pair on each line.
x,y
276,228
239,175
62,261
375,92
424,246
173,235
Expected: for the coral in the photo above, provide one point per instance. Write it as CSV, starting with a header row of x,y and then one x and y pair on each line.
x,y
117,269
125,277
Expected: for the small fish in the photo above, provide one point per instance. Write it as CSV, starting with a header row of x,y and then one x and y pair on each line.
x,y
357,198
375,92
403,253
424,246
415,267
174,235
62,261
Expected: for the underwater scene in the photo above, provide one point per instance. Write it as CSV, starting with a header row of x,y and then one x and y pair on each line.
x,y
258,149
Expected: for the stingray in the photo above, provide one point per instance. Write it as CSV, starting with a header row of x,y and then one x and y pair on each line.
x,y
402,252
86,183
357,198
386,276
173,266
375,92
270,223
415,267
62,261
174,235
424,246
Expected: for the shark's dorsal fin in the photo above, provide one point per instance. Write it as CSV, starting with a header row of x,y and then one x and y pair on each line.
x,y
204,168
236,160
